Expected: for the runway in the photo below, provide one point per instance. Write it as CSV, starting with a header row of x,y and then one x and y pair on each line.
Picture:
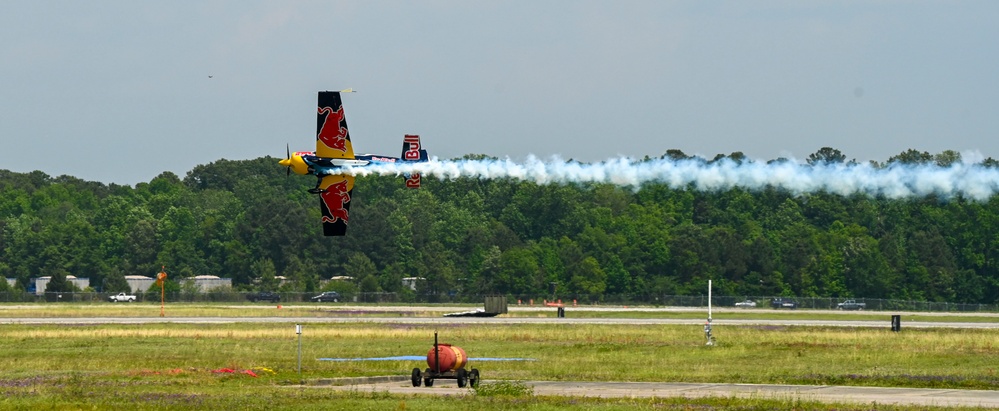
x,y
495,320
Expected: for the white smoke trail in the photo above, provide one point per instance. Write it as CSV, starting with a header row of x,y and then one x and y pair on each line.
x,y
895,181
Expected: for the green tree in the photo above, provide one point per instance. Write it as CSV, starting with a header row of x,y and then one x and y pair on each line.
x,y
115,282
263,269
826,156
589,280
947,158
487,280
912,157
369,284
518,272
360,266
58,282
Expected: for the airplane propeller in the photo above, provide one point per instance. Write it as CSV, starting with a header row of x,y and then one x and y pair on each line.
x,y
294,163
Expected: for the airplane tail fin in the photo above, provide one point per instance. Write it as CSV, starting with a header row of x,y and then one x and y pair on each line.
x,y
412,151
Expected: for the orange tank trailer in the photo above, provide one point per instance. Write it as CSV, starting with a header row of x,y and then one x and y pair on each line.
x,y
446,361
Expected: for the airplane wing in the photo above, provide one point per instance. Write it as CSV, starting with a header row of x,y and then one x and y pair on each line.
x,y
332,137
334,200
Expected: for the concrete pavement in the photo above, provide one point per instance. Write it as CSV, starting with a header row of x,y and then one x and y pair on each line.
x,y
820,393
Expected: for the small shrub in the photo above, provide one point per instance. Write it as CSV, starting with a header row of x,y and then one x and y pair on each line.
x,y
504,389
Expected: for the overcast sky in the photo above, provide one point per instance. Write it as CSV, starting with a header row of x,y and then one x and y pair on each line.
x,y
119,91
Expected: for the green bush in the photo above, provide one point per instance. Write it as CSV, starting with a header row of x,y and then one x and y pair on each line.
x,y
504,389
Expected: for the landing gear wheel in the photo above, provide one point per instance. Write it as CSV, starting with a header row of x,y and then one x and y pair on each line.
x,y
462,377
473,378
417,377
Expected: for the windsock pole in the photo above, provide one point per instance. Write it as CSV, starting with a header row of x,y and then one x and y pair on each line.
x,y
161,279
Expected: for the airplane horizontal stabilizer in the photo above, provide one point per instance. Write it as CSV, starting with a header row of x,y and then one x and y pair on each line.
x,y
334,200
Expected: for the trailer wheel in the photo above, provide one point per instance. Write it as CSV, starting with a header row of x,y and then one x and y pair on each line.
x,y
462,378
428,378
416,377
473,378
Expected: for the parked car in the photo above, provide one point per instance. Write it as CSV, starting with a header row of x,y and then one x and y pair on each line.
x,y
327,297
122,297
851,305
264,295
746,304
781,302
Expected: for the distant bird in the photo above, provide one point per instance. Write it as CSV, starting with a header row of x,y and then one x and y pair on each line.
x,y
210,76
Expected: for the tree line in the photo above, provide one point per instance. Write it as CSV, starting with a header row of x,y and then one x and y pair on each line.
x,y
247,221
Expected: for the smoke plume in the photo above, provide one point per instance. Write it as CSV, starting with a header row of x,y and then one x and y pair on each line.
x,y
895,181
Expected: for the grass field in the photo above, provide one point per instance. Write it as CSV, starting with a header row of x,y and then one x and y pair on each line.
x,y
179,366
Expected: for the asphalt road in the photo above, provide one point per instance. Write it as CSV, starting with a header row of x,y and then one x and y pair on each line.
x,y
402,319
820,393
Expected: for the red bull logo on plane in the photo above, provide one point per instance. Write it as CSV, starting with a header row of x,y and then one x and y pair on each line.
x,y
413,181
334,197
331,133
413,153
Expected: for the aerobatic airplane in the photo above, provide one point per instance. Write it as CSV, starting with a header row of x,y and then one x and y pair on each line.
x,y
334,151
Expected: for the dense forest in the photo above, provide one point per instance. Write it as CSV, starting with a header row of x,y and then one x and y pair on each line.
x,y
247,221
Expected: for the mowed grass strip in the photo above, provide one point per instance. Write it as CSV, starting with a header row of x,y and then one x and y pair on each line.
x,y
182,366
937,358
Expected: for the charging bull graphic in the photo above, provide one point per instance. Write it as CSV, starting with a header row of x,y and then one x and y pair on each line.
x,y
330,132
334,198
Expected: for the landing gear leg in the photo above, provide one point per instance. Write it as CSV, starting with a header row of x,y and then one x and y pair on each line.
x,y
316,189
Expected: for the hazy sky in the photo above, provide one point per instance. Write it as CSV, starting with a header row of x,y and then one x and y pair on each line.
x,y
119,91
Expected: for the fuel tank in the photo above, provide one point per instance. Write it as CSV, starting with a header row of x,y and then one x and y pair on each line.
x,y
451,358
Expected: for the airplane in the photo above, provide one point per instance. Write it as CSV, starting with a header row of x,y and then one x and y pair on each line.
x,y
334,151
